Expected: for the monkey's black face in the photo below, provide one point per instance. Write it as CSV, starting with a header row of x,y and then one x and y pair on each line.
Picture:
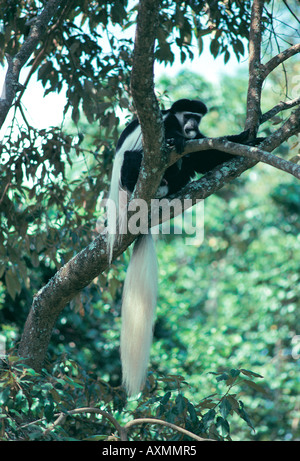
x,y
189,123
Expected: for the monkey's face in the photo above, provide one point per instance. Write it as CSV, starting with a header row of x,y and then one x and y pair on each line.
x,y
189,122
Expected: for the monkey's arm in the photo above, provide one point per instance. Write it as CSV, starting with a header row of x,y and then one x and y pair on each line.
x,y
206,160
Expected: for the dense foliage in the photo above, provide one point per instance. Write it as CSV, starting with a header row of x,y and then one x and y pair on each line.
x,y
225,359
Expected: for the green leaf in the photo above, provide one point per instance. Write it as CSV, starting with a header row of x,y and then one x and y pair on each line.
x,y
12,283
165,398
192,413
225,407
208,418
239,47
214,47
48,410
200,45
233,402
223,377
234,373
255,386
245,416
223,426
180,404
226,56
250,373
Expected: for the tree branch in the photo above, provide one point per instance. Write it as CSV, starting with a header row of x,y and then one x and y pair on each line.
x,y
258,72
134,422
291,11
279,59
253,153
278,108
42,51
145,101
89,410
52,298
255,72
37,31
290,128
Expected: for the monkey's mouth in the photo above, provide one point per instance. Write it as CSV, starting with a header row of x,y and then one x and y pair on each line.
x,y
190,133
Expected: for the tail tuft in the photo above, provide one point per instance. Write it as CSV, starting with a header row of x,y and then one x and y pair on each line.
x,y
138,309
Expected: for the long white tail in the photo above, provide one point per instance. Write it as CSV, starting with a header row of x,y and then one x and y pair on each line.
x,y
138,309
140,288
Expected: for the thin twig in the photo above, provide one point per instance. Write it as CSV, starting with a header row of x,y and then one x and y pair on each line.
x,y
291,11
166,424
279,59
282,105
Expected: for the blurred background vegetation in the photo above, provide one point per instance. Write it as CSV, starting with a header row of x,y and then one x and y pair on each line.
x,y
229,303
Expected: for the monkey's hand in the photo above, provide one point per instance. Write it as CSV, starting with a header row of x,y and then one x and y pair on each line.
x,y
178,142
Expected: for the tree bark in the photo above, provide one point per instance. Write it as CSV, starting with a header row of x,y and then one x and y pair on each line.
x,y
145,101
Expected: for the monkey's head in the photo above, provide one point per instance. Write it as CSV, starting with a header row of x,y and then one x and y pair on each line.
x,y
189,113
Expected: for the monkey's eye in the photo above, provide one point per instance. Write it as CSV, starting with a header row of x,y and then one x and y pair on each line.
x,y
192,119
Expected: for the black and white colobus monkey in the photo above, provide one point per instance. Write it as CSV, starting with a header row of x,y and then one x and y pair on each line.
x,y
181,123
